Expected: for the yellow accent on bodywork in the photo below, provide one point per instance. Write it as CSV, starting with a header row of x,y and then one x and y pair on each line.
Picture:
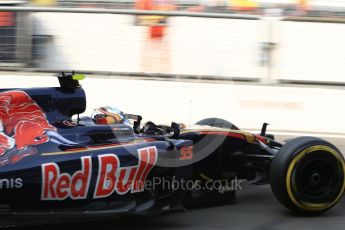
x,y
249,136
305,205
78,77
203,176
90,149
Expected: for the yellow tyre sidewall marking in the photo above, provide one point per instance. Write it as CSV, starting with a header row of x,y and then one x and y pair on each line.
x,y
312,206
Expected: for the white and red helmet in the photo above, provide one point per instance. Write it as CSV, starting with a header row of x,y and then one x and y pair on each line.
x,y
108,115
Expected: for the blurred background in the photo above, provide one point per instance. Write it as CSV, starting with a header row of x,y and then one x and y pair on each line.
x,y
248,61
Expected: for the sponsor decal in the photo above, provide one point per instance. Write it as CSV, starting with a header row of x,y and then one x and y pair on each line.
x,y
186,153
111,177
119,129
59,186
11,183
268,104
69,123
23,124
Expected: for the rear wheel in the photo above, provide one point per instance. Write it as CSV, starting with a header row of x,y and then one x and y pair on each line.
x,y
217,122
307,175
227,196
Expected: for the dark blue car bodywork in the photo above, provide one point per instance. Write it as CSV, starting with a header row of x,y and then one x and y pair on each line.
x,y
22,172
54,168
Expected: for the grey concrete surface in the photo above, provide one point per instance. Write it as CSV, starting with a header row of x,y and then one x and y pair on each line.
x,y
255,208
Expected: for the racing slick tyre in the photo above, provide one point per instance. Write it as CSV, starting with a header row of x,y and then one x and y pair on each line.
x,y
217,122
307,175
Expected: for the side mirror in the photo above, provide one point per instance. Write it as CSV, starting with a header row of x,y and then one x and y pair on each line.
x,y
263,132
176,129
137,120
263,129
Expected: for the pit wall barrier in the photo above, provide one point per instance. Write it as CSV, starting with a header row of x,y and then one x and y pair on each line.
x,y
289,109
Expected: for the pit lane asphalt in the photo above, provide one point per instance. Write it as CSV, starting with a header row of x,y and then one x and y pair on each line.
x,y
255,208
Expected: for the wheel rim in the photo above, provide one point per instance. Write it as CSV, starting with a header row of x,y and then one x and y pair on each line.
x,y
315,178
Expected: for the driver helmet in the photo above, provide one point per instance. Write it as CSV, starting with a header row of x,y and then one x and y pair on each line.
x,y
108,115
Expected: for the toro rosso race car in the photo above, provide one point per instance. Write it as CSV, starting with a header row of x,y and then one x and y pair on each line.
x,y
60,166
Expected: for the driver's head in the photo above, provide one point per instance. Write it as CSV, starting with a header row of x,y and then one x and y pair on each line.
x,y
107,115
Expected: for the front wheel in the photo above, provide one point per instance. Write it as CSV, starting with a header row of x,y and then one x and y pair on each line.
x,y
307,175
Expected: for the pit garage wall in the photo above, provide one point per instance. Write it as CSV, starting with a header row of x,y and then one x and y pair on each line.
x,y
197,46
310,110
310,51
230,48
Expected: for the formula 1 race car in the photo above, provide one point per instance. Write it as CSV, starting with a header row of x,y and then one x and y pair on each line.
x,y
55,168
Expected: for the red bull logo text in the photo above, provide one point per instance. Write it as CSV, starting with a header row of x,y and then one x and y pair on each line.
x,y
111,177
59,186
